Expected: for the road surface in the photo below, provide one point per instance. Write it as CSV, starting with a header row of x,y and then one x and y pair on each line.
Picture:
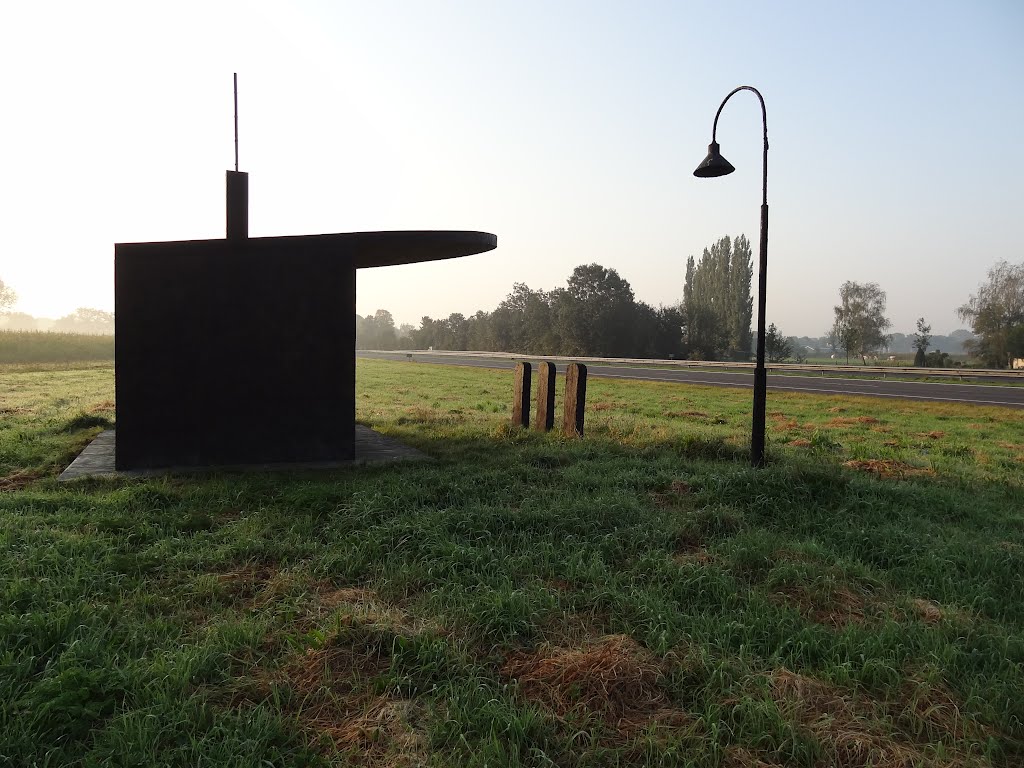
x,y
977,394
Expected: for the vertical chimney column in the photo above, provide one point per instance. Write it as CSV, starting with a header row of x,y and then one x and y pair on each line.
x,y
237,205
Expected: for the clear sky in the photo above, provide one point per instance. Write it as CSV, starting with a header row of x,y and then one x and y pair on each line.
x,y
569,129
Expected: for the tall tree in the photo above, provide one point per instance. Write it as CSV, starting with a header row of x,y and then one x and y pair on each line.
x,y
740,304
7,297
658,332
376,331
996,313
523,322
716,300
860,323
922,340
458,331
595,313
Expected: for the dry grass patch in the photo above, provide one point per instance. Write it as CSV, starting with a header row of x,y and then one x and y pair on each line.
x,y
17,411
334,700
687,414
18,479
935,434
258,587
571,628
837,609
931,612
248,583
671,496
365,606
856,731
739,757
926,610
694,556
935,707
888,468
335,704
800,442
849,421
613,679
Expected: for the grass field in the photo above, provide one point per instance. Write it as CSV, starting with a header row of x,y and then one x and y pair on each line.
x,y
639,597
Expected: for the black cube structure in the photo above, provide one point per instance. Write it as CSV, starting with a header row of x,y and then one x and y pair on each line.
x,y
242,350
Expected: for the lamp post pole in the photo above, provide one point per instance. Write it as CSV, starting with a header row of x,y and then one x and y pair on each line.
x,y
716,165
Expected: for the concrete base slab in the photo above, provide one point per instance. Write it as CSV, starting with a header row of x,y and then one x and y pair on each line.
x,y
371,448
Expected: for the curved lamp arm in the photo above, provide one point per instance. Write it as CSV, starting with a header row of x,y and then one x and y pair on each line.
x,y
764,118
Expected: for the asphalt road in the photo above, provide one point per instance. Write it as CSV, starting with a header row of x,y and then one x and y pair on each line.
x,y
977,394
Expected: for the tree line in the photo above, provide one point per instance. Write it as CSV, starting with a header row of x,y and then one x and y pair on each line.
x,y
597,314
82,320
995,314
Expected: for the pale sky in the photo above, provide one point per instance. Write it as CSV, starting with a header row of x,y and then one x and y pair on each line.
x,y
568,129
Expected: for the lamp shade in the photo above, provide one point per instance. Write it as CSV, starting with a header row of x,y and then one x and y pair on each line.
x,y
714,164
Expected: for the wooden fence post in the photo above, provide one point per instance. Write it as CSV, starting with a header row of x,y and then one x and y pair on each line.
x,y
545,396
521,396
575,399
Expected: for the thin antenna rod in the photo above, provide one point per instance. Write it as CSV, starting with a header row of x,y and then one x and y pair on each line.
x,y
236,122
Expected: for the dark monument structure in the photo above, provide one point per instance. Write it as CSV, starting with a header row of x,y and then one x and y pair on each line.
x,y
242,350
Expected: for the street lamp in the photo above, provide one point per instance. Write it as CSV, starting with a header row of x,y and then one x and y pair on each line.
x,y
716,165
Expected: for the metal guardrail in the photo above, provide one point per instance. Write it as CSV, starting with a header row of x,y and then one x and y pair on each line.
x,y
878,370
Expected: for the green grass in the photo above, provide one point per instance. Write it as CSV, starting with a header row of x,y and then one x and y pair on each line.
x,y
32,348
639,597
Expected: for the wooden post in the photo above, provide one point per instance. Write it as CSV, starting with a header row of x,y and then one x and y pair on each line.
x,y
575,399
521,396
545,397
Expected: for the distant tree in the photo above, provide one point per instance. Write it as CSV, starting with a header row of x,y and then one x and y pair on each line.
x,y
777,347
523,323
479,333
18,321
995,313
799,354
937,359
457,331
7,297
922,340
427,335
1015,342
594,314
403,335
716,300
860,323
833,341
86,320
658,333
376,331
